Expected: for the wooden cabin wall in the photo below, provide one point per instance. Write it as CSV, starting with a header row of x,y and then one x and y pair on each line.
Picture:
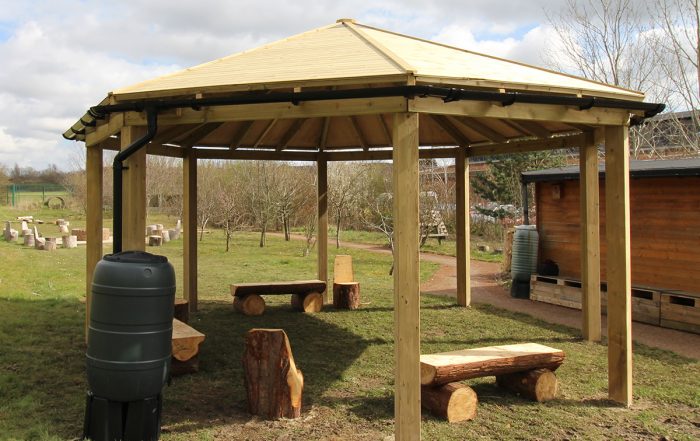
x,y
665,230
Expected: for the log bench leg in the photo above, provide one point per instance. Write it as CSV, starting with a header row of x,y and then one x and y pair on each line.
x,y
346,295
537,385
190,366
453,401
252,304
309,302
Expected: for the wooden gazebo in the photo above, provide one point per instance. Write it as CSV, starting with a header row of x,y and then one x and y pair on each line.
x,y
347,92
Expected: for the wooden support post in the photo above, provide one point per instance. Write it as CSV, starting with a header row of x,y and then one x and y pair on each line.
x,y
189,219
464,297
590,237
134,193
407,404
93,219
617,221
322,235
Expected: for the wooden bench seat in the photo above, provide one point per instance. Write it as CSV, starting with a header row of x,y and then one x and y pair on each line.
x,y
527,369
307,295
186,341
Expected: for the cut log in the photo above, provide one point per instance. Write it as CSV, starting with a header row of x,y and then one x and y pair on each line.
x,y
70,241
273,383
50,244
251,304
346,295
537,384
155,241
105,234
186,341
165,235
293,287
63,229
460,365
311,302
182,310
453,401
80,232
29,239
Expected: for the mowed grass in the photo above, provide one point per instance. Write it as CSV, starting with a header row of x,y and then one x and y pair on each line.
x,y
346,357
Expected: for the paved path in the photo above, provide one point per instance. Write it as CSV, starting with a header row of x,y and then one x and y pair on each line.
x,y
485,289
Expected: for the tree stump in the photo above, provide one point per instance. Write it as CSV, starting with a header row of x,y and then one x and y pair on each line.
x,y
174,234
63,229
453,401
310,302
346,295
273,383
155,241
29,239
252,304
105,234
537,384
50,244
165,234
70,241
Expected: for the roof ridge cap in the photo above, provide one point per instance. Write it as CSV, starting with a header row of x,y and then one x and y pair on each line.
x,y
393,57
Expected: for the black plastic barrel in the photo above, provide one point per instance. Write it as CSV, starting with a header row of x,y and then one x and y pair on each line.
x,y
129,339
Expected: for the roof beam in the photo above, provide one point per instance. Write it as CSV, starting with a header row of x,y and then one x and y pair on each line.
x,y
385,129
256,155
240,134
358,133
291,131
559,142
457,136
267,111
198,134
264,133
167,134
479,128
95,135
530,127
521,111
324,133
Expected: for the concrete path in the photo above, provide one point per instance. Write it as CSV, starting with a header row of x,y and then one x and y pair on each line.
x,y
485,289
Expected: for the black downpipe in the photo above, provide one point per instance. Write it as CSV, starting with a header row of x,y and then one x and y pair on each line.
x,y
118,168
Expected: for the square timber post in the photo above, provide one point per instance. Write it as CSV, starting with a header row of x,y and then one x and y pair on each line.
x,y
134,193
617,221
94,171
590,237
464,295
189,220
322,225
407,410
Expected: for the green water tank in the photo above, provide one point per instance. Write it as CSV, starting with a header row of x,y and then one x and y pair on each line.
x,y
129,338
524,260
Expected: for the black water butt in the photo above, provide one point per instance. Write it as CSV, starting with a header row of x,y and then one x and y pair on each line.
x,y
129,346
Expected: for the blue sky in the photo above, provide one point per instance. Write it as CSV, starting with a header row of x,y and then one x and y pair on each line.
x,y
62,56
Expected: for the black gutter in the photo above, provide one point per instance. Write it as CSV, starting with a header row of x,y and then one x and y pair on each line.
x,y
446,94
118,168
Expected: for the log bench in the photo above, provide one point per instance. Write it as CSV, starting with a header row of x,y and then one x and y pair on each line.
x,y
526,369
307,295
186,341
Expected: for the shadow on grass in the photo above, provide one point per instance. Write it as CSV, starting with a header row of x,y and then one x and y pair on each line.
x,y
322,350
43,380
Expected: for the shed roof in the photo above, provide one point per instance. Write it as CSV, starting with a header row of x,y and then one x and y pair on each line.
x,y
638,169
347,52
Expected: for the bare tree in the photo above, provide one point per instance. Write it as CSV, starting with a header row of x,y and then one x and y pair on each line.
x,y
229,208
603,40
344,183
206,194
260,195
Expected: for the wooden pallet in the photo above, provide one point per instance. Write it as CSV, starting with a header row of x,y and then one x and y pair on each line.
x,y
680,310
567,292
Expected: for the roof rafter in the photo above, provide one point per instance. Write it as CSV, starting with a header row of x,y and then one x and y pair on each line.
x,y
452,130
291,131
262,136
240,134
198,134
478,127
358,132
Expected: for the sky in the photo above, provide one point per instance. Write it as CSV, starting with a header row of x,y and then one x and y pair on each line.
x,y
59,57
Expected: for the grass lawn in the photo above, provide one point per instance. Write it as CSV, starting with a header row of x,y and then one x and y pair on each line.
x,y
447,247
346,357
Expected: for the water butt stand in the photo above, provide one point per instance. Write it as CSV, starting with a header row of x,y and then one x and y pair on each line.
x,y
129,346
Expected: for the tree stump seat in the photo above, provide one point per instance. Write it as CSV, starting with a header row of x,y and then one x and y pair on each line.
x,y
307,295
186,341
526,369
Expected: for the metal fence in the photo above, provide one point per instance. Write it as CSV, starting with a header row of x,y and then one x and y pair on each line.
x,y
16,195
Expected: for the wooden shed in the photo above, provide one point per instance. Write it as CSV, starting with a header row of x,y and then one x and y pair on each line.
x,y
352,92
664,225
